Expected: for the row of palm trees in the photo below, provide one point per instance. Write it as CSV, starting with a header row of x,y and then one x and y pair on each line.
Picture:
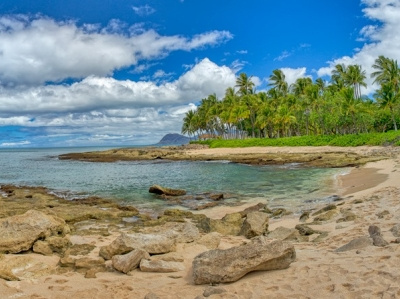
x,y
303,108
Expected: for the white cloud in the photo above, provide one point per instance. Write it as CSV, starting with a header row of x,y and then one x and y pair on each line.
x,y
292,75
144,10
381,39
38,50
15,144
284,54
104,106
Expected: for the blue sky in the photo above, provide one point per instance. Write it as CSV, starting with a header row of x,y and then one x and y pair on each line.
x,y
92,72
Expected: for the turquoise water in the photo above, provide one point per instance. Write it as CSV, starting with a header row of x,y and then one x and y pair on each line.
x,y
289,186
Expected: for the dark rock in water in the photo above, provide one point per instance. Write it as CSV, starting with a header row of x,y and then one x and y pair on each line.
x,y
216,266
216,196
166,191
174,139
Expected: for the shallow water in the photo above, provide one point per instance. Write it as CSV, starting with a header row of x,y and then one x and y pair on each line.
x,y
289,186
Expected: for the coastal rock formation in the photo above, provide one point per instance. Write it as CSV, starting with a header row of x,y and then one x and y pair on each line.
x,y
358,243
127,262
185,232
19,233
166,191
152,243
376,235
216,266
255,224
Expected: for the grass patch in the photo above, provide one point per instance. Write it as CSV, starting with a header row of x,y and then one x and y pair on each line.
x,y
379,139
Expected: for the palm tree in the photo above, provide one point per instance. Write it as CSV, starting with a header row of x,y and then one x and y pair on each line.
x,y
355,77
245,85
278,82
388,99
387,71
189,123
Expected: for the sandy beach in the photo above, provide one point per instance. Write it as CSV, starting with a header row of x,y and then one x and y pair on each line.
x,y
368,196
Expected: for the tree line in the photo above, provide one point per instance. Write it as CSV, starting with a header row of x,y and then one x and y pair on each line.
x,y
305,107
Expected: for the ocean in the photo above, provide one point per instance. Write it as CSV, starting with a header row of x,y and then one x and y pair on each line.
x,y
289,186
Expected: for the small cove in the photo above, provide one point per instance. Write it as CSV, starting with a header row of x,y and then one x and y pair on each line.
x,y
288,186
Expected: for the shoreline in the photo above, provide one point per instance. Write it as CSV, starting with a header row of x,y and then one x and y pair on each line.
x,y
368,196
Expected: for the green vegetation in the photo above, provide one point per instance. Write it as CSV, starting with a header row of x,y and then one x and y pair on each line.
x,y
388,138
313,113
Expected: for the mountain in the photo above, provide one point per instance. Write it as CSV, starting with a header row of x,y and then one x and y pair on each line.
x,y
174,139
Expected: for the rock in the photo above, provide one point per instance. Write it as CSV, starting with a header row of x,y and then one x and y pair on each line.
x,y
255,224
168,257
166,191
216,196
19,233
326,216
255,208
185,232
160,266
324,209
42,247
358,243
26,266
278,213
376,235
347,216
152,243
216,266
212,291
206,206
151,295
230,224
283,233
396,230
305,216
128,262
88,262
382,214
211,240
305,230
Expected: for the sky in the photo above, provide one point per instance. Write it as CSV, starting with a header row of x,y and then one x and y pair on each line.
x,y
125,72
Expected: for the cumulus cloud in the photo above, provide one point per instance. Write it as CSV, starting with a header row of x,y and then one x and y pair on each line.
x,y
380,39
292,75
102,106
38,50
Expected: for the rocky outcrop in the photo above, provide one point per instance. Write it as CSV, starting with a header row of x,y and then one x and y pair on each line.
x,y
185,232
211,240
152,243
19,233
128,262
166,191
216,266
255,224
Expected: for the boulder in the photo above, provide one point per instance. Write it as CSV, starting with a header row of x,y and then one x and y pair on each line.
x,y
230,224
152,243
284,234
255,208
358,243
167,257
19,233
127,262
376,235
185,232
305,230
160,266
255,224
211,240
396,230
166,191
218,266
